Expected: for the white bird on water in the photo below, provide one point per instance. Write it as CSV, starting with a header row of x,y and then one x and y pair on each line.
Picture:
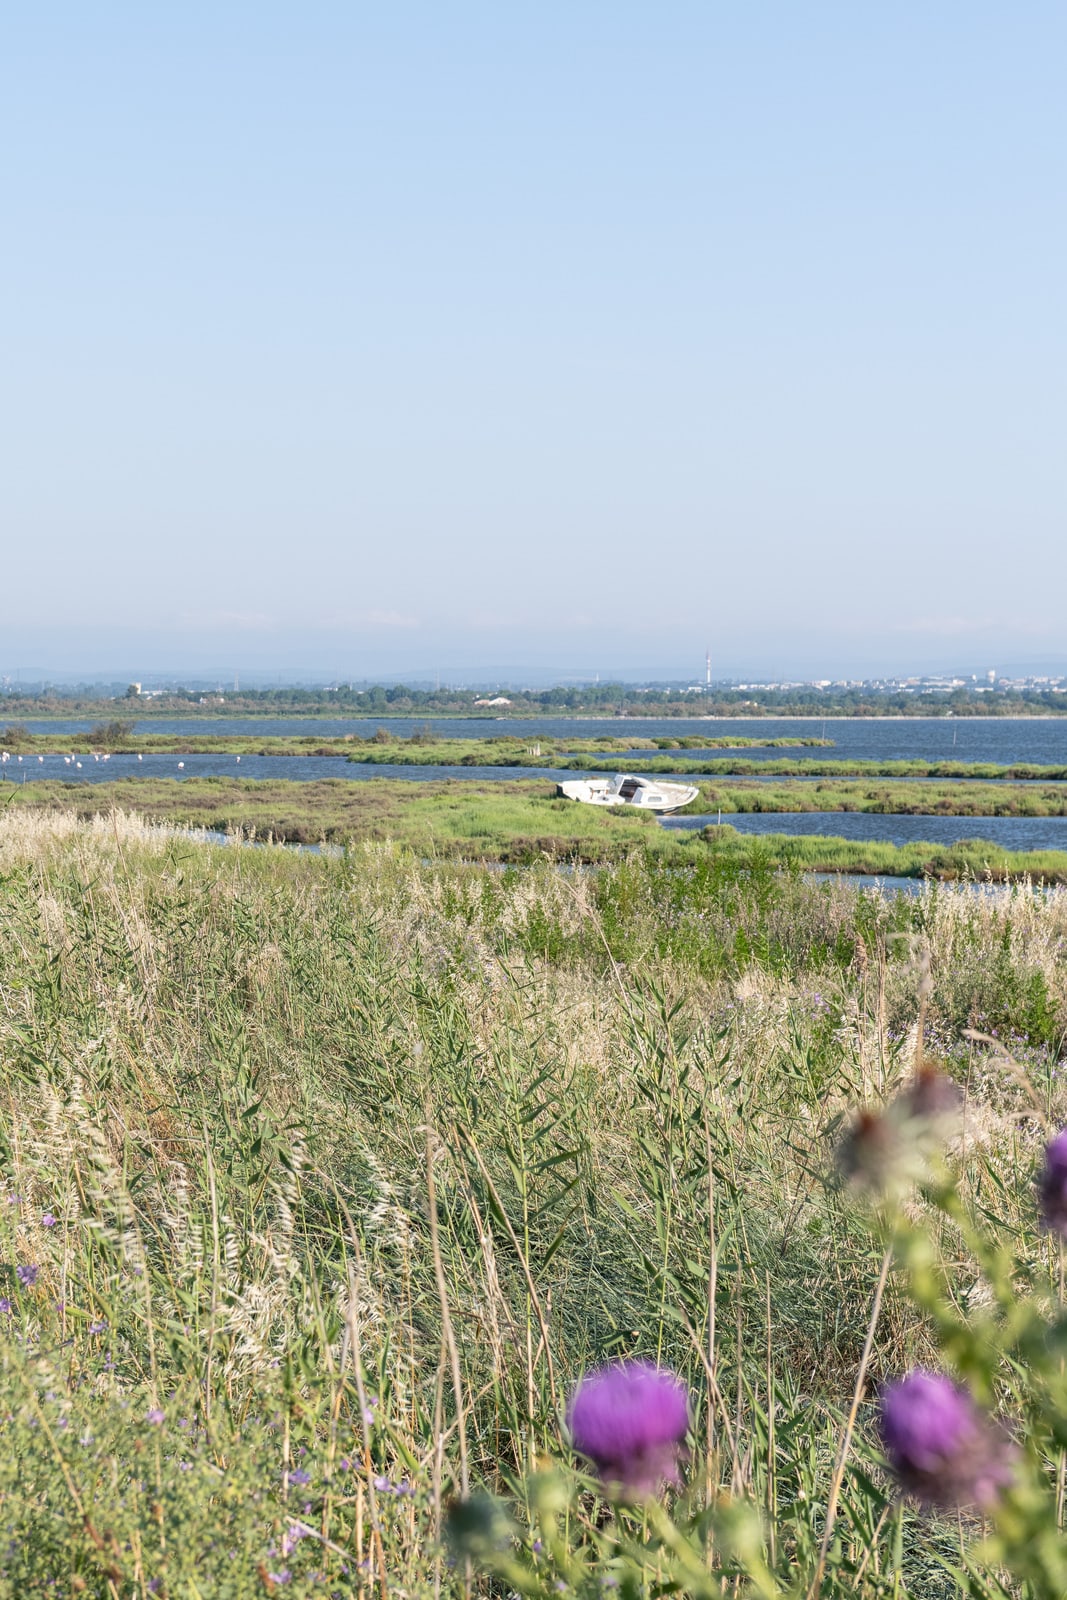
x,y
40,758
140,758
78,765
238,758
180,765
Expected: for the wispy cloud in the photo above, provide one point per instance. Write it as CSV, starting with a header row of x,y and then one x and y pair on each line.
x,y
962,627
232,621
388,619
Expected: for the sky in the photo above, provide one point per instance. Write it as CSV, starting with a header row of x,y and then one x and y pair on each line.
x,y
554,338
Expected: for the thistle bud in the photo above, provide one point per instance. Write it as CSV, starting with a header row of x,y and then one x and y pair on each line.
x,y
888,1150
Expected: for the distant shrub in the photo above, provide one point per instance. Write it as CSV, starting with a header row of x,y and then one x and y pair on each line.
x,y
108,734
381,736
15,736
423,734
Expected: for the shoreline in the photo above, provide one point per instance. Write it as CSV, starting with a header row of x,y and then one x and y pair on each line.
x,y
199,713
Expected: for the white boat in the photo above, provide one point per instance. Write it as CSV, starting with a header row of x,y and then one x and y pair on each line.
x,y
648,794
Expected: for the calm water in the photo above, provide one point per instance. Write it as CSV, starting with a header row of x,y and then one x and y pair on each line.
x,y
995,739
1011,833
1000,739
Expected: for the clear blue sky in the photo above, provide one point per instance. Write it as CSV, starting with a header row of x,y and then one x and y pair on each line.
x,y
372,338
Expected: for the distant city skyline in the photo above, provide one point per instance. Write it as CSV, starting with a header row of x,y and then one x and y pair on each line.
x,y
230,682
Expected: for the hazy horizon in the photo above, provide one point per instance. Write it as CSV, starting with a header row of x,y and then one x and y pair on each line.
x,y
365,340
486,675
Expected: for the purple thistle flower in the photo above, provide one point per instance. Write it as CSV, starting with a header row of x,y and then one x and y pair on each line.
x,y
630,1419
300,1476
27,1276
1052,1186
941,1447
154,1416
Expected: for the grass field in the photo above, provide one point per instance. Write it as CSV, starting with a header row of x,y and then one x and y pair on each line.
x,y
324,1179
523,821
951,798
421,747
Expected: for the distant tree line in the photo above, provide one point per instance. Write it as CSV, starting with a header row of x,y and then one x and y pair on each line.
x,y
600,699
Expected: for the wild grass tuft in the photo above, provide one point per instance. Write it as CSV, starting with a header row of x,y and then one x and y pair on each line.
x,y
322,1181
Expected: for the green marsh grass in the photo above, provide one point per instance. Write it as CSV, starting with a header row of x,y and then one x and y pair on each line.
x,y
250,1357
524,820
421,748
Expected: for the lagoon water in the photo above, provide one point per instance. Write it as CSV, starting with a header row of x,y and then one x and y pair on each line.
x,y
1000,739
1010,833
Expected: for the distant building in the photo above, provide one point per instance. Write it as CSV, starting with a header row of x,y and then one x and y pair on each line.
x,y
497,700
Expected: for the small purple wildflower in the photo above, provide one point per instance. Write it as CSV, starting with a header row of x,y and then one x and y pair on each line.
x,y
154,1585
154,1416
300,1476
27,1276
5,1306
48,1220
292,1537
941,1447
1052,1186
280,1577
631,1419
98,1327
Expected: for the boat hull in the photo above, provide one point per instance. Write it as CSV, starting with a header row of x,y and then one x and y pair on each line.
x,y
640,794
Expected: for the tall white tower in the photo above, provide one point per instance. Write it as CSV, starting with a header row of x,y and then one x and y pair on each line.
x,y
707,670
